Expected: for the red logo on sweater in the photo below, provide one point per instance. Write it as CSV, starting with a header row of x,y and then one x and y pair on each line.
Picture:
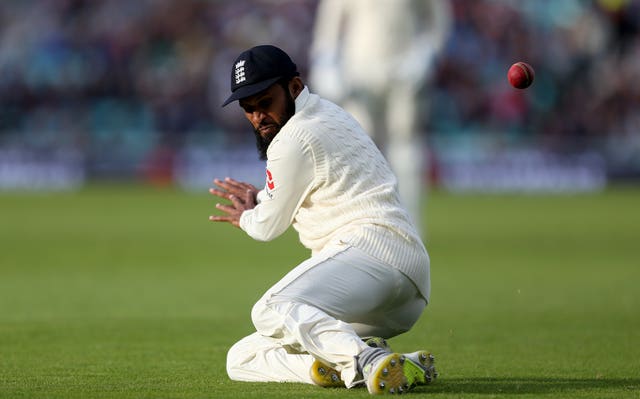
x,y
270,184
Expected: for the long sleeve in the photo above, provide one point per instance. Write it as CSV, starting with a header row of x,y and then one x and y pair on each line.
x,y
290,175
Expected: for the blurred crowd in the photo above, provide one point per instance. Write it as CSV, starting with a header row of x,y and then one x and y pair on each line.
x,y
586,94
128,84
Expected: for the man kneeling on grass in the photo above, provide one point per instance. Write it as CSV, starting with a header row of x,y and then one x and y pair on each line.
x,y
368,274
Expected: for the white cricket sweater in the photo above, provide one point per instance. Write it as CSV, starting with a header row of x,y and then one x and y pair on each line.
x,y
327,178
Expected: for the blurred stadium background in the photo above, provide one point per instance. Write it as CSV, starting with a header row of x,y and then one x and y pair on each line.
x,y
131,90
125,291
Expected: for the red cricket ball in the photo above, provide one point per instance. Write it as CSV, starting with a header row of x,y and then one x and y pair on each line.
x,y
521,75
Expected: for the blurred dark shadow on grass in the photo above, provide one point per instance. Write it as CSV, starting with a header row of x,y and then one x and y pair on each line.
x,y
529,385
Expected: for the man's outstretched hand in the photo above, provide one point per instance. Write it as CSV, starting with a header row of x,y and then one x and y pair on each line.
x,y
242,196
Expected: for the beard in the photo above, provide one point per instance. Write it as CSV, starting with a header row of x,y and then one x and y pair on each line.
x,y
262,143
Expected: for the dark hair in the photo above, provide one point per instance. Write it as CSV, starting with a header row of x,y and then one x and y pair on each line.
x,y
284,82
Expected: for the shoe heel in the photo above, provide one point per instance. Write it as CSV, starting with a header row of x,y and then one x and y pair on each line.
x,y
325,376
390,377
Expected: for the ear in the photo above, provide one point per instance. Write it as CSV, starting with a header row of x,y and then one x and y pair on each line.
x,y
295,86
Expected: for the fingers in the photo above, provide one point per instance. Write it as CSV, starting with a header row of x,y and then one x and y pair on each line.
x,y
250,187
228,209
219,193
226,189
237,203
227,219
233,182
241,195
234,209
250,198
241,187
232,186
233,213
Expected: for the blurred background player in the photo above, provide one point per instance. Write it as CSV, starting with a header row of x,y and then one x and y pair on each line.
x,y
375,58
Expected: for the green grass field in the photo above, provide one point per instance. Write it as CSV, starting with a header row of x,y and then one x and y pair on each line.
x,y
129,292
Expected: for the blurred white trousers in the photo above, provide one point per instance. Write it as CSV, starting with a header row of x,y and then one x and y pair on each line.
x,y
321,310
390,116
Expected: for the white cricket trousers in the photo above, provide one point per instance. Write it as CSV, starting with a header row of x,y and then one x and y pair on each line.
x,y
320,310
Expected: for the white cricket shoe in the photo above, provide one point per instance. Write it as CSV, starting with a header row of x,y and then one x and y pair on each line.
x,y
325,376
386,374
419,368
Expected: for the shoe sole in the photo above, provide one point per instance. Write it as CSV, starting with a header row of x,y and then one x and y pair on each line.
x,y
325,376
419,368
389,376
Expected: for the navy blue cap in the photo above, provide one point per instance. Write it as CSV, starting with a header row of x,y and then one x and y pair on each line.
x,y
258,68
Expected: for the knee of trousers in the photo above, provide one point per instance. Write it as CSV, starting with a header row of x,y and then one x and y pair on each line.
x,y
267,318
236,357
